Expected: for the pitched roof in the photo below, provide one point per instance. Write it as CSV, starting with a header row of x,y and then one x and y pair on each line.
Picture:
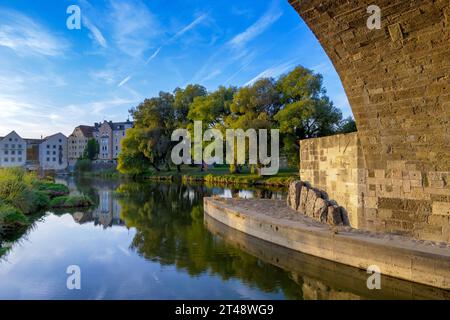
x,y
86,130
53,135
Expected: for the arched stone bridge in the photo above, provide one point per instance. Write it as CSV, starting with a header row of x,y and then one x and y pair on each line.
x,y
397,79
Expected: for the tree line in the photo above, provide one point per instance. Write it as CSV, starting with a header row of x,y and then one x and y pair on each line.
x,y
296,103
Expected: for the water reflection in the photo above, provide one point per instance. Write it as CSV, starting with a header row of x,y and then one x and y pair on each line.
x,y
151,241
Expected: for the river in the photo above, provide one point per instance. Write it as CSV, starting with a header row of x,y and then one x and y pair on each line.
x,y
152,241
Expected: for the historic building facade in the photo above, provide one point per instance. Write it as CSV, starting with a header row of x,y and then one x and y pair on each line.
x,y
13,151
77,142
53,152
109,136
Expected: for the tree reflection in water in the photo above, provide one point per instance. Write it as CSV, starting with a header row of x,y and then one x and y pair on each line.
x,y
170,230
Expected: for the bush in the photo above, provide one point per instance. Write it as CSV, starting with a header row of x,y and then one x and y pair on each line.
x,y
52,190
71,202
12,216
41,200
83,165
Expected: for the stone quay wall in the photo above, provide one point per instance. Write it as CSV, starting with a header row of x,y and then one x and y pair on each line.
x,y
398,199
423,262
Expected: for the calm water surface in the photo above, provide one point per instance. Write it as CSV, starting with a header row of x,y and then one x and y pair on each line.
x,y
151,241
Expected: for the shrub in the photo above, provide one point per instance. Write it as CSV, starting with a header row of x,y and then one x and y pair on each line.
x,y
71,202
83,165
52,189
12,216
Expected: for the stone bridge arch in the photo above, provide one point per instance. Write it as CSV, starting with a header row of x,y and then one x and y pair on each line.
x,y
397,80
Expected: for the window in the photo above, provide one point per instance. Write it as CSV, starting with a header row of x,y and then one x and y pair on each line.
x,y
48,146
19,159
5,160
19,146
6,145
60,140
54,152
13,152
54,146
54,159
6,152
13,159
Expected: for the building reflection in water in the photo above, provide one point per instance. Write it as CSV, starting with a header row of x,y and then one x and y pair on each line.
x,y
107,212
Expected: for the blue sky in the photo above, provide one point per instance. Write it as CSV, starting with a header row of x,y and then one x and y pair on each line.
x,y
53,79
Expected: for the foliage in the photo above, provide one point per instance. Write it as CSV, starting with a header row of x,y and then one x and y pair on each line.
x,y
23,194
348,125
52,190
83,165
92,149
71,202
296,103
10,215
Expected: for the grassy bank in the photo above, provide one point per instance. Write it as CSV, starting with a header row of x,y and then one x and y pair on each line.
x,y
221,175
22,194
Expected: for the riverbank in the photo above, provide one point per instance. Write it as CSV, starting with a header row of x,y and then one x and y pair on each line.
x,y
23,195
221,175
216,175
422,262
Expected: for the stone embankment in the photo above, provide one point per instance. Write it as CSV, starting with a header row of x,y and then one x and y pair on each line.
x,y
419,261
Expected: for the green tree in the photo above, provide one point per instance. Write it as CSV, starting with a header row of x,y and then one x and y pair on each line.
x,y
131,159
347,125
92,149
212,109
183,98
305,111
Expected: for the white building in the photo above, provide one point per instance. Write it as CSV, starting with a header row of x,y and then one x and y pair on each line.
x,y
53,152
13,151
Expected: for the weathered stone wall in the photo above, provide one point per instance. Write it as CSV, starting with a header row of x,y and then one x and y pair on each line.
x,y
392,200
397,80
335,165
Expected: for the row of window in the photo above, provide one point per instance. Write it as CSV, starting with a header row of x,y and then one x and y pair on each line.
x,y
12,159
54,146
13,152
13,146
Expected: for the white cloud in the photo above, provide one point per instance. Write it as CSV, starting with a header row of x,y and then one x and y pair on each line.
x,y
190,26
107,76
274,72
25,36
134,26
261,25
95,33
124,81
154,55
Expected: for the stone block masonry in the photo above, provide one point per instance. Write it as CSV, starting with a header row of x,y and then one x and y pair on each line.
x,y
397,80
399,199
